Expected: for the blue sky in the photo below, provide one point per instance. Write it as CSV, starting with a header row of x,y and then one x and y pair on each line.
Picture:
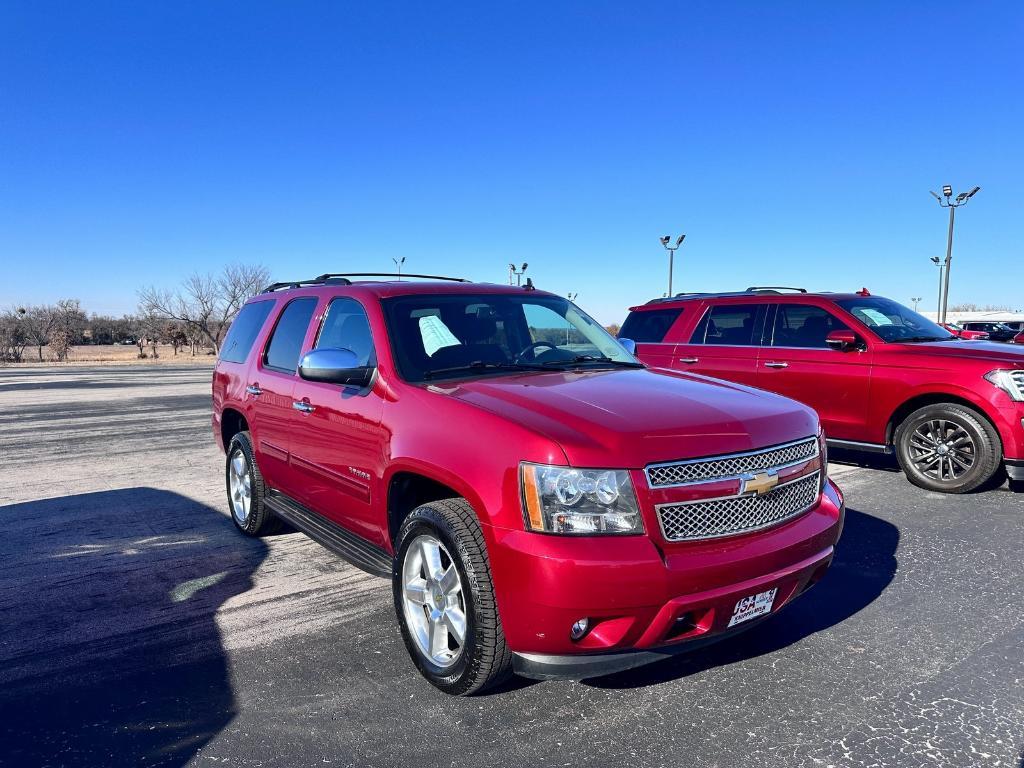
x,y
793,143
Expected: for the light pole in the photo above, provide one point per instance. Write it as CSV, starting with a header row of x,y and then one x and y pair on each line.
x,y
916,300
518,273
399,263
665,240
952,204
938,304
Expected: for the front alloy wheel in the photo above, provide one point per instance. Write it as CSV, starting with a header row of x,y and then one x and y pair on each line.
x,y
435,609
444,599
949,448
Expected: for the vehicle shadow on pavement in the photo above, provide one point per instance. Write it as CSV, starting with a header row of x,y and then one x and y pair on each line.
x,y
109,648
863,566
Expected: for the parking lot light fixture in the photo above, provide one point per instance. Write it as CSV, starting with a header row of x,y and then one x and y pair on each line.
x,y
665,240
953,204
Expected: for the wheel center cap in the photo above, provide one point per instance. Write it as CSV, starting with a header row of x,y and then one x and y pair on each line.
x,y
437,595
943,450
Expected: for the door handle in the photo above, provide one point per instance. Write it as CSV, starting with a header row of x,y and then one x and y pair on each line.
x,y
303,406
254,390
773,364
689,359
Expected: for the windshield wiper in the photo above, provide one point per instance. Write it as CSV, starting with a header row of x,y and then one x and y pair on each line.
x,y
480,365
913,339
592,359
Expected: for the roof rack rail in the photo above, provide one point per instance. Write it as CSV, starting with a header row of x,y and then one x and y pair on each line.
x,y
296,284
774,289
677,296
342,278
331,275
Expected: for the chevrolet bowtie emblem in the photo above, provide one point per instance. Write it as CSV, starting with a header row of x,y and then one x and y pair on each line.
x,y
761,483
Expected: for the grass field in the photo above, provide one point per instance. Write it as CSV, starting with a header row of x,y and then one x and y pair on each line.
x,y
119,354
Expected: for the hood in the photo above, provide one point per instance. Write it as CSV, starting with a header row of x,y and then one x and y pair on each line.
x,y
630,418
1006,355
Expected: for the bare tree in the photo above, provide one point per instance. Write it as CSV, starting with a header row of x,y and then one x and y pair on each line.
x,y
68,323
12,335
206,304
38,324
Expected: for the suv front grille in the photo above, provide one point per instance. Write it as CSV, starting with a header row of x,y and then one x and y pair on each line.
x,y
734,465
738,514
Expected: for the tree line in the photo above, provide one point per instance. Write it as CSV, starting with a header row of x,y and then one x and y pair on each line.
x,y
195,315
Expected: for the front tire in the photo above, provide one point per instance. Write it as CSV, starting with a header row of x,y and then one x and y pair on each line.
x,y
444,599
246,490
948,448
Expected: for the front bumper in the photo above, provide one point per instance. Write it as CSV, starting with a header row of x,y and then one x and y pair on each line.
x,y
646,599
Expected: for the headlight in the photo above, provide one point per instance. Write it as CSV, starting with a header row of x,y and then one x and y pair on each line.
x,y
579,501
1010,381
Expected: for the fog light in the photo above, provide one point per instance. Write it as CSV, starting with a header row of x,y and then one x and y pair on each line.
x,y
579,629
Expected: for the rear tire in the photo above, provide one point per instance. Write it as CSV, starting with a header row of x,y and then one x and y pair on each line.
x,y
948,448
444,599
246,490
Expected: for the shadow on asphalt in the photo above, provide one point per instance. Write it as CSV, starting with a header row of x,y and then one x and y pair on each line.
x,y
110,651
863,566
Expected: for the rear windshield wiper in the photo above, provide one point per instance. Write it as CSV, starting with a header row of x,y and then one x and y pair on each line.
x,y
480,365
592,359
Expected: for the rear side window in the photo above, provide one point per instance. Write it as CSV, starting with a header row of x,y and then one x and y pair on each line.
x,y
244,330
286,341
648,326
731,325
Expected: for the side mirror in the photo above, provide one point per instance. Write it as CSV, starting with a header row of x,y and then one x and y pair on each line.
x,y
334,366
842,340
629,345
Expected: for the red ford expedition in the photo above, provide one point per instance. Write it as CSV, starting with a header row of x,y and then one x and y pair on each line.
x,y
880,376
542,502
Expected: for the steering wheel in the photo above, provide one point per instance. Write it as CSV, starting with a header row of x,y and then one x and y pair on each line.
x,y
887,332
532,348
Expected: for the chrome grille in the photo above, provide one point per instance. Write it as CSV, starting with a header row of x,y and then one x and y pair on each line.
x,y
733,465
738,514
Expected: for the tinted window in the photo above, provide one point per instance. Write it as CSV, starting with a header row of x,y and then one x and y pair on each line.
x,y
244,330
892,321
803,325
286,341
731,325
648,326
444,336
347,327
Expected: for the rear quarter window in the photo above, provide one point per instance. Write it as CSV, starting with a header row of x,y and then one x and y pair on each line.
x,y
244,330
649,326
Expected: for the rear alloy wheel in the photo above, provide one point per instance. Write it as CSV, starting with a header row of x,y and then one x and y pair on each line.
x,y
444,599
948,448
246,490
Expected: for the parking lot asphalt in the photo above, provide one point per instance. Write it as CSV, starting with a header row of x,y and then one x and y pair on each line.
x,y
138,628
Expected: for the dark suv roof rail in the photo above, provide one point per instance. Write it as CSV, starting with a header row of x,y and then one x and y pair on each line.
x,y
676,296
774,289
299,284
331,275
342,278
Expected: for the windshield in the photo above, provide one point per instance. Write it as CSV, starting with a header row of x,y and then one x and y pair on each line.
x,y
894,322
437,336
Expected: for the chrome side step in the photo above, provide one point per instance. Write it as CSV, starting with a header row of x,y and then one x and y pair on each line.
x,y
341,541
858,446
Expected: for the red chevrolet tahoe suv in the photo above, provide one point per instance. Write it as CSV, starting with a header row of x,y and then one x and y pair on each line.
x,y
880,376
541,501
